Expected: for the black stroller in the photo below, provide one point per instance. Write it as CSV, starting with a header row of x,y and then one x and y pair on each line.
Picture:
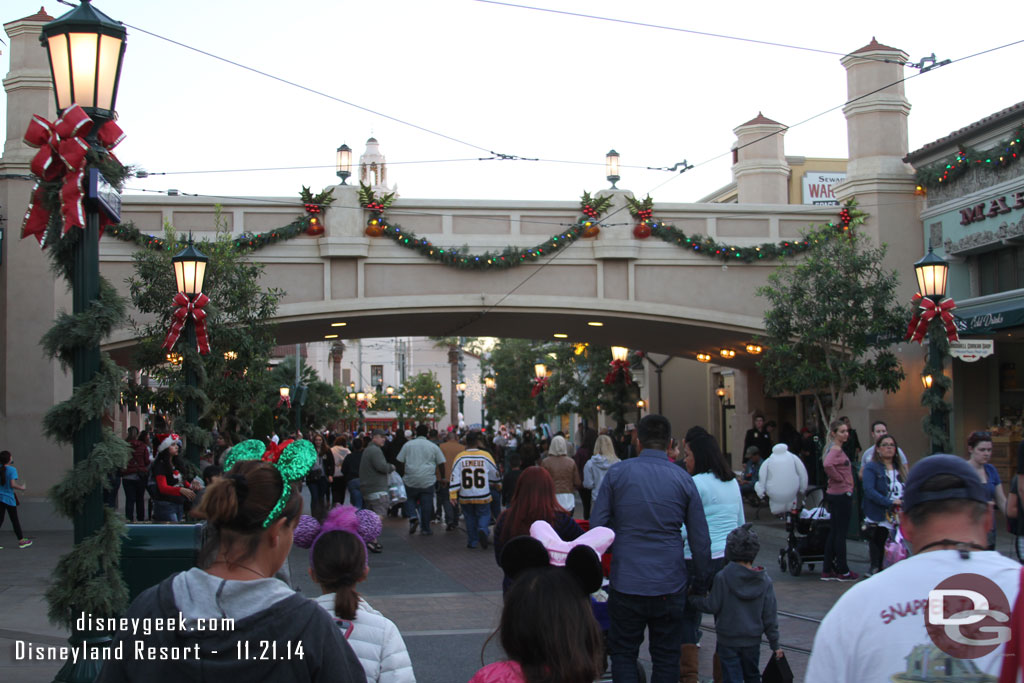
x,y
806,533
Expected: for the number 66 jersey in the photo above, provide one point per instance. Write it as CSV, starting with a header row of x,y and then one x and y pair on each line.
x,y
473,474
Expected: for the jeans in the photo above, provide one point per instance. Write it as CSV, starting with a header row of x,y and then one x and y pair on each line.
x,y
355,494
421,501
164,511
478,517
877,536
317,492
662,616
134,499
839,507
740,664
691,615
446,504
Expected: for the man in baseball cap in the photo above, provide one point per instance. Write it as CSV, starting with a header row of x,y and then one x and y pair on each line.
x,y
884,627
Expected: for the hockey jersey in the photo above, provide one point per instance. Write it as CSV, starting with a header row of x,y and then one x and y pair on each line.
x,y
473,475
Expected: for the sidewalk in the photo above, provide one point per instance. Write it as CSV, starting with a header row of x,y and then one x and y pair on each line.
x,y
444,598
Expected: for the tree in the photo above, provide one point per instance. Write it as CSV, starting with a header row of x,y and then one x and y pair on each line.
x,y
324,404
232,375
830,323
511,361
421,398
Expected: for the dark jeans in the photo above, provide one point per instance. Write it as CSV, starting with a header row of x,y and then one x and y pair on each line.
x,y
318,491
13,510
691,615
495,504
839,507
585,497
134,499
877,536
421,501
338,490
478,517
355,494
662,616
445,503
740,664
164,511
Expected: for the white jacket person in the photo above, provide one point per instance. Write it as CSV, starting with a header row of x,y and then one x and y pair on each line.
x,y
782,477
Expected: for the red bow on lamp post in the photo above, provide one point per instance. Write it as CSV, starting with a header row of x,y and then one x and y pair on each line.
x,y
539,385
284,401
189,307
620,368
924,313
62,152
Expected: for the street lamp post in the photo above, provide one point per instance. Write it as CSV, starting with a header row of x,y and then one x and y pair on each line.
x,y
721,393
540,373
461,386
344,163
189,274
611,167
85,49
489,385
932,272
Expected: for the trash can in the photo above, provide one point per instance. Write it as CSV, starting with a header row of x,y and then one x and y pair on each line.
x,y
152,552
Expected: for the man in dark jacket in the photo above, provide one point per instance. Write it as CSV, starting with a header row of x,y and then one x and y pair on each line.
x,y
373,479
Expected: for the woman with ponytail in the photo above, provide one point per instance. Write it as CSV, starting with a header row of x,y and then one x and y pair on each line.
x,y
240,622
337,562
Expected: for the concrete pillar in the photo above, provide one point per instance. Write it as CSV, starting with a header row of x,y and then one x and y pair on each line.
x,y
876,119
759,163
29,296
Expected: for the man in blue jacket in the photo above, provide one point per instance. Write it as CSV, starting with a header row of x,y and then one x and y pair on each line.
x,y
647,501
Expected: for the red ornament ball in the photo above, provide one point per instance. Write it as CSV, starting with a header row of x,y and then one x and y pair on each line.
x,y
642,231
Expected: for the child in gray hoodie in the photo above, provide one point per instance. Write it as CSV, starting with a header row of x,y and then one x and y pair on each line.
x,y
743,601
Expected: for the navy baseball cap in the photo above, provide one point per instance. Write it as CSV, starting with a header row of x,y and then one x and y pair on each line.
x,y
970,488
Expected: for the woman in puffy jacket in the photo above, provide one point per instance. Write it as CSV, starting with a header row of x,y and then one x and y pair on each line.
x,y
604,457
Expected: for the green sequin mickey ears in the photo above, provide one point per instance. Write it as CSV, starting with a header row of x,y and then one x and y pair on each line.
x,y
292,459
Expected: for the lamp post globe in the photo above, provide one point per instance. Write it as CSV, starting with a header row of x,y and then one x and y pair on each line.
x,y
343,163
611,166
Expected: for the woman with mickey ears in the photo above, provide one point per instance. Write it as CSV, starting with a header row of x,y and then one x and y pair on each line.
x,y
272,632
171,489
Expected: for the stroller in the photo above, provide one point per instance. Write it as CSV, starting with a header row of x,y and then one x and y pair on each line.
x,y
807,528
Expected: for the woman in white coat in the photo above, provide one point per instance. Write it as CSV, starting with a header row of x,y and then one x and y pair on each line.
x,y
782,477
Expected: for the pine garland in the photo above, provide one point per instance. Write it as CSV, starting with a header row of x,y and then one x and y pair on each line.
x,y
946,173
933,398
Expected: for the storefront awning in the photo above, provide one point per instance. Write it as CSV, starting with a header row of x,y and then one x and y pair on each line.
x,y
985,318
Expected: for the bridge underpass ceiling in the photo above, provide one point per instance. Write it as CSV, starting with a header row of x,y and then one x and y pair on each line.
x,y
683,339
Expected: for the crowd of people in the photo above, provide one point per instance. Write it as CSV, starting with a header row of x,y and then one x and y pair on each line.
x,y
675,509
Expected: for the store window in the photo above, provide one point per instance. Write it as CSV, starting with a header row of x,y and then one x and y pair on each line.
x,y
377,377
1000,271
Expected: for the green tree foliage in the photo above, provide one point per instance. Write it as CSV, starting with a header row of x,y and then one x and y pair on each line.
x,y
511,362
422,399
231,388
325,403
830,323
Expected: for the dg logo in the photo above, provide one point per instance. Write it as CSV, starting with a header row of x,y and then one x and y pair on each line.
x,y
968,616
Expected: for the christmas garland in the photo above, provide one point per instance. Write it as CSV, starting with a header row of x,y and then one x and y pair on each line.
x,y
1004,154
88,579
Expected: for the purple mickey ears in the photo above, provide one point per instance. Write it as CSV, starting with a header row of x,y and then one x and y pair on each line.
x,y
363,524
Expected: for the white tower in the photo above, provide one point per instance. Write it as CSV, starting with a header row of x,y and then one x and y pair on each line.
x,y
373,168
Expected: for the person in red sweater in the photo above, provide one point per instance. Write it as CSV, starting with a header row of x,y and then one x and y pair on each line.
x,y
133,476
172,491
839,495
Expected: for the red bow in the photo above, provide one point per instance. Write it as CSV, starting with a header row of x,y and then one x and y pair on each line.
x,y
926,310
187,307
274,450
539,385
619,367
284,400
62,152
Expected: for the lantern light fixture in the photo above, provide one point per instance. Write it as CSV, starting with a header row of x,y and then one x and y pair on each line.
x,y
284,391
540,370
390,390
489,382
927,381
461,386
611,167
931,274
86,50
344,163
230,355
728,353
360,396
190,269
620,353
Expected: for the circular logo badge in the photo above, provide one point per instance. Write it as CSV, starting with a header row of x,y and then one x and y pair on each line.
x,y
968,616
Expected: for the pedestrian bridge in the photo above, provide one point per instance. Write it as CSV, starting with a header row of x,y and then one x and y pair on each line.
x,y
686,301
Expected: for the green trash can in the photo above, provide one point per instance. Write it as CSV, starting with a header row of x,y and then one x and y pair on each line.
x,y
152,552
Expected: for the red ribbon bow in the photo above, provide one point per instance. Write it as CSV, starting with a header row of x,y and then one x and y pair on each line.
x,y
274,450
619,367
539,385
926,310
62,152
187,307
284,400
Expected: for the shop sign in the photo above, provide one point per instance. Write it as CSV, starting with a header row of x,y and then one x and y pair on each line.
x,y
970,351
991,209
818,187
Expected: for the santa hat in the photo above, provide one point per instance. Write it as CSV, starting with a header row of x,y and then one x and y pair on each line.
x,y
166,441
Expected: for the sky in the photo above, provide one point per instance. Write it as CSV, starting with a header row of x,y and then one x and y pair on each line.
x,y
476,77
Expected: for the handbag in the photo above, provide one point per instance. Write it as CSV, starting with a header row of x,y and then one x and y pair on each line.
x,y
777,670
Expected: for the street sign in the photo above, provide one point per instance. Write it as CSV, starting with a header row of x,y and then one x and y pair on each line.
x,y
970,351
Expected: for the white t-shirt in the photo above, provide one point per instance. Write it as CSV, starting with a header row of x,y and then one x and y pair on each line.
x,y
876,630
867,456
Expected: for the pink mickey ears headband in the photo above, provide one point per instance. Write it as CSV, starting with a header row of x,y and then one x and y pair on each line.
x,y
543,548
363,524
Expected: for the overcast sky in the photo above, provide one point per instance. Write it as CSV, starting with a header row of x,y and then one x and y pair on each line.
x,y
519,82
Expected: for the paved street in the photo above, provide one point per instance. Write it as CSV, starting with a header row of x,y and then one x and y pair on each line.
x,y
445,599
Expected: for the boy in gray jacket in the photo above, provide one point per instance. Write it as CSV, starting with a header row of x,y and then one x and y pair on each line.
x,y
743,601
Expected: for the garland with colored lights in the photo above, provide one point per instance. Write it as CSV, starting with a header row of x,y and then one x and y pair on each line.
x,y
1004,154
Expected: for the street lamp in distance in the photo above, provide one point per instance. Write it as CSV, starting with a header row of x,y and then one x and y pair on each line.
x,y
611,167
344,163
